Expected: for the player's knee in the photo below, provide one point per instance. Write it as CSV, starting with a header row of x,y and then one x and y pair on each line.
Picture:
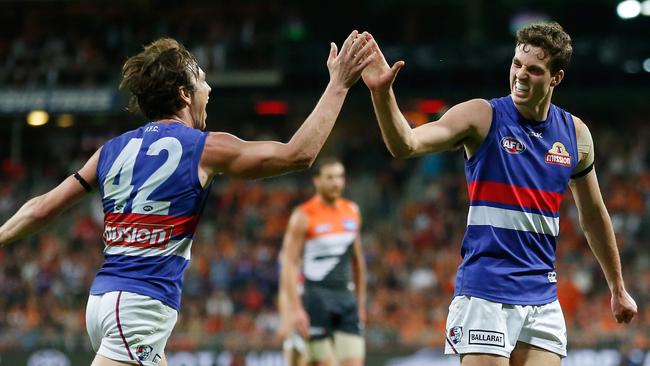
x,y
349,346
318,350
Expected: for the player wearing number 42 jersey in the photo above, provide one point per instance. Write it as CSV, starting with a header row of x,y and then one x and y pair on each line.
x,y
154,181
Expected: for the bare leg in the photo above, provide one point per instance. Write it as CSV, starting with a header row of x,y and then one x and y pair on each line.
x,y
525,354
352,362
292,357
481,359
103,361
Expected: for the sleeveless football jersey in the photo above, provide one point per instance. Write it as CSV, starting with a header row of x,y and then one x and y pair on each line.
x,y
328,246
516,181
152,199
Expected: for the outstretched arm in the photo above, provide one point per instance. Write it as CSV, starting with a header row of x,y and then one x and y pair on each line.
x,y
225,153
464,124
292,245
597,226
41,210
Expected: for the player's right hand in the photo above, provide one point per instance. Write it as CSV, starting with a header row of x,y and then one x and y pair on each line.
x,y
284,329
379,76
356,53
624,307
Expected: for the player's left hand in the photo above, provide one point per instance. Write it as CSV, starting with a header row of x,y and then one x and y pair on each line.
x,y
623,307
379,76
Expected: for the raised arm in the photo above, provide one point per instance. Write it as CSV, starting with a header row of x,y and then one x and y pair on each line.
x,y
292,245
41,210
597,226
225,153
464,124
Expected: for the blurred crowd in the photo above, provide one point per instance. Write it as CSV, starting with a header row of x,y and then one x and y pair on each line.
x,y
414,218
414,211
83,44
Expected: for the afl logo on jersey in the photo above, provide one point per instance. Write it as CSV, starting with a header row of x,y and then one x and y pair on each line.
x,y
349,225
558,155
512,146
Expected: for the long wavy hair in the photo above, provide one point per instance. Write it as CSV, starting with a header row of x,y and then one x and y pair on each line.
x,y
154,76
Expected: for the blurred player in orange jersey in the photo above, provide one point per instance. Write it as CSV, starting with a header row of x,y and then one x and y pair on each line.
x,y
293,345
325,233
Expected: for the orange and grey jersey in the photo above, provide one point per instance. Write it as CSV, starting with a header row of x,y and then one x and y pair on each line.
x,y
331,232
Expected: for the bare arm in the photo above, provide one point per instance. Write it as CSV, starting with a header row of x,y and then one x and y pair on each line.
x,y
360,275
292,245
228,154
41,210
466,123
283,309
597,226
225,153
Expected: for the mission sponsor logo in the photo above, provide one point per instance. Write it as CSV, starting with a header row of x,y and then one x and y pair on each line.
x,y
137,234
558,155
512,146
486,337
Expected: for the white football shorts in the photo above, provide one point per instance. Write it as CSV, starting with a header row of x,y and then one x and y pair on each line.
x,y
128,327
476,325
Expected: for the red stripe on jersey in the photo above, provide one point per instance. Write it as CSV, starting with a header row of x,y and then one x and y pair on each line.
x,y
513,195
181,225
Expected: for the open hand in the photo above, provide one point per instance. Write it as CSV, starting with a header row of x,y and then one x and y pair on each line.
x,y
356,53
378,76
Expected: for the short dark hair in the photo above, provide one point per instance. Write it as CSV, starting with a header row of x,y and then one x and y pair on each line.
x,y
551,38
154,76
323,162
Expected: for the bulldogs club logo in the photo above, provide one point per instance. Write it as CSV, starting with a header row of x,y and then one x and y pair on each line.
x,y
455,334
512,146
558,155
143,352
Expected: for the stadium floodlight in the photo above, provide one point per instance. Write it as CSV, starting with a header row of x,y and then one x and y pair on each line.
x,y
646,65
37,118
65,120
628,9
645,8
